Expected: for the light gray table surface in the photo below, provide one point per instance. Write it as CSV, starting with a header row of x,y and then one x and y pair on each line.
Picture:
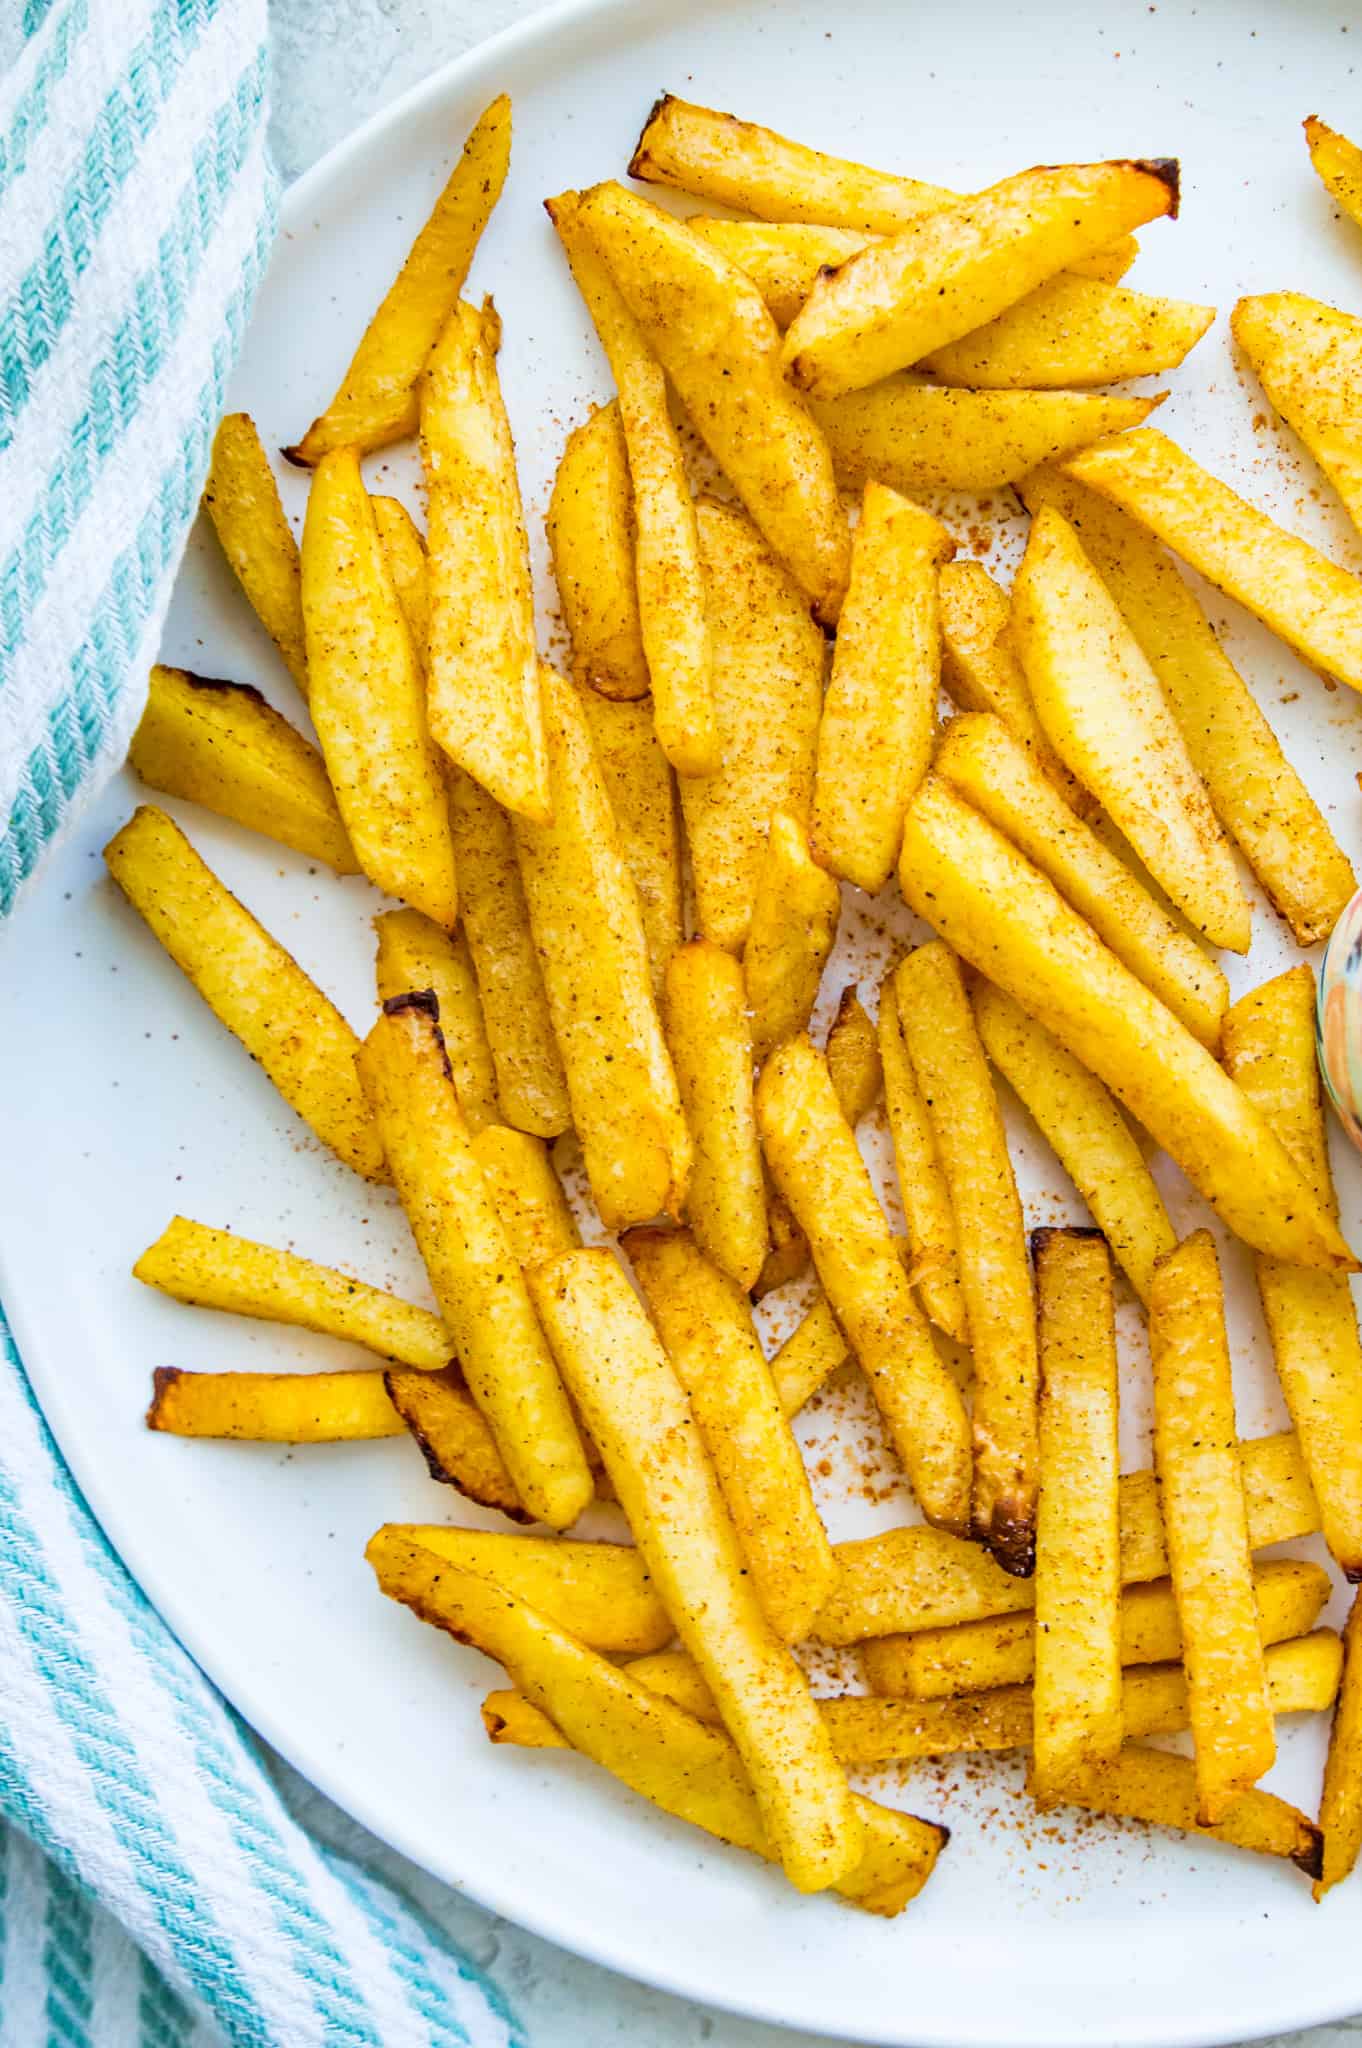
x,y
335,61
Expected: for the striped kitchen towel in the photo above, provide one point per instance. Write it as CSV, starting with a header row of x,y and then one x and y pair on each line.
x,y
154,1890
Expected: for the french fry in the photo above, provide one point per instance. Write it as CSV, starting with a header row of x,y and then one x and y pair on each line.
x,y
451,1433
671,591
711,1048
473,1270
981,672
1006,919
412,954
642,793
1311,1320
1255,792
1106,716
706,1327
812,1154
637,1412
1339,163
1297,592
927,1210
531,1087
917,1578
591,540
1077,1701
367,699
638,1735
974,1656
918,436
210,1268
710,329
794,923
853,1054
273,1407
809,1357
1073,332
754,170
241,499
768,686
1308,359
481,666
875,739
983,762
1207,1522
588,933
377,401
221,745
956,1087
249,982
1340,1806
1085,1129
404,550
946,274
598,1592
1154,1786
526,1193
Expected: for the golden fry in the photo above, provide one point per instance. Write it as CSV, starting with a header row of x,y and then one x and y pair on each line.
x,y
242,500
711,1048
367,699
482,666
273,1407
768,686
1077,1635
946,274
879,715
591,539
1340,1806
451,1433
1003,916
974,1656
1086,1130
415,954
1255,792
574,1695
588,933
526,1193
853,1053
926,1197
1107,718
1308,359
404,550
210,1268
955,1084
378,397
531,1087
1152,1785
1195,1455
221,745
472,1268
250,983
981,672
706,1327
794,923
642,793
814,1161
981,760
1339,163
918,436
809,1356
710,329
1297,592
1311,1319
599,1592
671,591
638,1413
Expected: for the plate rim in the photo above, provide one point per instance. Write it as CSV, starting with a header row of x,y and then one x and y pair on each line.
x,y
543,26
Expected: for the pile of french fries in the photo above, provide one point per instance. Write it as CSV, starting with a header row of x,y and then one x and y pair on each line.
x,y
616,898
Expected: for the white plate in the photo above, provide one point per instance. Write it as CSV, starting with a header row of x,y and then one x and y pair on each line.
x,y
124,1101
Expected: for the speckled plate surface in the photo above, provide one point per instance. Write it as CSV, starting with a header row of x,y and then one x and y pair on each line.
x,y
124,1101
